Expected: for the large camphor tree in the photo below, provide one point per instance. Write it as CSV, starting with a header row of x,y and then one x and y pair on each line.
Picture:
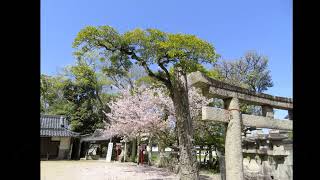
x,y
156,52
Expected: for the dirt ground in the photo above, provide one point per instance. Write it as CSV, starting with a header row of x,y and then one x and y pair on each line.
x,y
101,170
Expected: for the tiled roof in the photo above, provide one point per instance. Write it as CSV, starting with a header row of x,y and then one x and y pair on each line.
x,y
97,135
52,125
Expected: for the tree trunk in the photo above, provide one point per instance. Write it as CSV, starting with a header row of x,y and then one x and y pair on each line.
x,y
196,156
138,150
161,149
121,155
149,151
188,163
210,156
125,157
205,157
200,156
222,165
134,149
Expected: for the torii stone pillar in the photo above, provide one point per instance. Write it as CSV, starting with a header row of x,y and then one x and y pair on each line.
x,y
233,143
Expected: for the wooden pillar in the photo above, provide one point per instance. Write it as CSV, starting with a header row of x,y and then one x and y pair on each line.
x,y
233,144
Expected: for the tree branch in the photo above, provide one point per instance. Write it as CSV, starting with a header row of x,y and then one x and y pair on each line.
x,y
133,55
161,65
148,70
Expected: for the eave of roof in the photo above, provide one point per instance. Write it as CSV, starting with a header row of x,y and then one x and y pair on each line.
x,y
58,133
53,125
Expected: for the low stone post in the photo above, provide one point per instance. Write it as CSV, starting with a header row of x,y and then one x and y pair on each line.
x,y
267,111
109,152
125,151
133,149
233,144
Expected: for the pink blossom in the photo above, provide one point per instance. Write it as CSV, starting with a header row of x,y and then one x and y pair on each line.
x,y
147,110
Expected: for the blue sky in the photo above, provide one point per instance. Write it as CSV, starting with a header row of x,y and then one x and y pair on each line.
x,y
233,27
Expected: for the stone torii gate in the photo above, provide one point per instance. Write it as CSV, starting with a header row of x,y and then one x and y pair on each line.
x,y
232,95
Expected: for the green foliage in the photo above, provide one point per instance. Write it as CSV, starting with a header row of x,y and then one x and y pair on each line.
x,y
51,96
147,81
145,48
214,73
83,91
85,119
47,90
197,67
209,133
153,50
77,94
154,156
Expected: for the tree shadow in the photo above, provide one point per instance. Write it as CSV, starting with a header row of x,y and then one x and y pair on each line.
x,y
155,170
205,177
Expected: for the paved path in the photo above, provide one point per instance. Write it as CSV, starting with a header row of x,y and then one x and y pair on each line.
x,y
100,170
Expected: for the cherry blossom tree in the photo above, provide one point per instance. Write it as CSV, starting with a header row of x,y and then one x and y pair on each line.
x,y
149,110
135,112
149,48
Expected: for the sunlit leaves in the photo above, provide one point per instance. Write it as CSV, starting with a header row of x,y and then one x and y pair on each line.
x,y
145,48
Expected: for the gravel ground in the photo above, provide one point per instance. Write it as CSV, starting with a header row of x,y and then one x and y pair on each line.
x,y
100,170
